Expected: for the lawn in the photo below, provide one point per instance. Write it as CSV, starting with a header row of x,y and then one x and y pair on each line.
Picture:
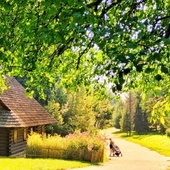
x,y
39,164
156,142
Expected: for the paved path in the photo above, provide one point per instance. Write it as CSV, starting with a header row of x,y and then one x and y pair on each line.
x,y
135,157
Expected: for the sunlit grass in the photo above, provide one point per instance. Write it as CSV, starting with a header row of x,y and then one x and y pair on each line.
x,y
39,164
156,142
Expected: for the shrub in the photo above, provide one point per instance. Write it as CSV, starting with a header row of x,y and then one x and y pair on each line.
x,y
83,145
168,132
35,144
80,146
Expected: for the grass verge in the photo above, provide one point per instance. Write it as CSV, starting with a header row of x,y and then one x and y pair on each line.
x,y
39,164
156,142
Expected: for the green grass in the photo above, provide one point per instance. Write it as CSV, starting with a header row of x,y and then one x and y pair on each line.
x,y
156,142
39,164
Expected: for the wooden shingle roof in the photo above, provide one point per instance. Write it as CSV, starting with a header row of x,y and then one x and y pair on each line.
x,y
17,110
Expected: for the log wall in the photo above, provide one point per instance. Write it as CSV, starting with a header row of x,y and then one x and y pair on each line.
x,y
20,144
14,140
4,142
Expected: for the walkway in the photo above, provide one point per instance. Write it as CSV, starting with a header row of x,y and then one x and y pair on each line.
x,y
135,157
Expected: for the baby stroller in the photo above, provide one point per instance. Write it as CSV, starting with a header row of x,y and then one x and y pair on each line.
x,y
116,151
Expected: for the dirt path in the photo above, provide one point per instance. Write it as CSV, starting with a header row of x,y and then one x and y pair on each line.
x,y
135,157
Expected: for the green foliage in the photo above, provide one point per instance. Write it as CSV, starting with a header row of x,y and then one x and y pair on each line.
x,y
161,109
80,146
157,108
141,123
82,110
54,109
141,107
80,114
38,40
103,114
88,146
126,124
77,42
168,132
61,129
118,110
3,86
117,119
127,120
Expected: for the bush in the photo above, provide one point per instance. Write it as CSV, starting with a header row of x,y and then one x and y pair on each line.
x,y
84,146
168,132
80,146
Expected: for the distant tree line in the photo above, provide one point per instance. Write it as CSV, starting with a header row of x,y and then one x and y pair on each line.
x,y
135,112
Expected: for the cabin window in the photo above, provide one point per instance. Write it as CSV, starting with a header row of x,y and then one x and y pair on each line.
x,y
25,133
15,135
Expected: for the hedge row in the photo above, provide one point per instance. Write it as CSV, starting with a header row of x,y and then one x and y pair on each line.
x,y
81,146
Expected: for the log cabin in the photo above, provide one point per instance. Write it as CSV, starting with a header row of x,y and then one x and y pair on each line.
x,y
19,115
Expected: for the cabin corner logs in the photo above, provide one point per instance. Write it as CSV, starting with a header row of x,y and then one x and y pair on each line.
x,y
14,140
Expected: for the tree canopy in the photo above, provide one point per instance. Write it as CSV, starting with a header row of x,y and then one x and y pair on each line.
x,y
75,42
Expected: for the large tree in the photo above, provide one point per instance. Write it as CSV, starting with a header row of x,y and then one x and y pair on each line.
x,y
76,41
